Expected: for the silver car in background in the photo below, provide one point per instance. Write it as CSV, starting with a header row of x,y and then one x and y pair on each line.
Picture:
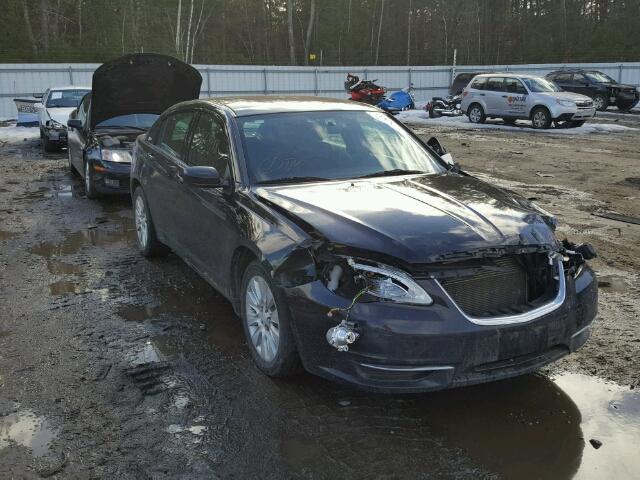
x,y
525,97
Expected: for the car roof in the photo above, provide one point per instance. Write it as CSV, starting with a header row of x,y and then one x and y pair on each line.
x,y
242,106
71,87
510,74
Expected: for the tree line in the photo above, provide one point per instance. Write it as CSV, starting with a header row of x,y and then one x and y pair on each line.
x,y
323,32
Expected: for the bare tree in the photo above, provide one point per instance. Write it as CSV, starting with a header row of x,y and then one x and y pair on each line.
x,y
307,42
27,22
379,30
409,35
292,48
44,24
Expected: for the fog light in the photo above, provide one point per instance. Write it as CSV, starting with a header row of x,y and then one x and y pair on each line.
x,y
110,182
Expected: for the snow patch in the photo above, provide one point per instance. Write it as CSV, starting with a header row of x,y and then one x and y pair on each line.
x,y
18,134
418,117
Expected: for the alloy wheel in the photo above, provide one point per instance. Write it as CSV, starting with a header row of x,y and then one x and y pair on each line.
x,y
142,226
475,115
539,119
598,102
262,318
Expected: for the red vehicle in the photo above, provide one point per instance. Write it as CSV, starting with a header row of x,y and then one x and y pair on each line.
x,y
365,91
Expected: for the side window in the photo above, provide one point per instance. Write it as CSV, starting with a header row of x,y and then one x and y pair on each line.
x,y
495,84
209,144
580,78
513,85
154,131
174,134
83,109
562,77
479,83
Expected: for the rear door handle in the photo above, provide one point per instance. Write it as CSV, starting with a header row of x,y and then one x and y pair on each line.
x,y
482,94
505,96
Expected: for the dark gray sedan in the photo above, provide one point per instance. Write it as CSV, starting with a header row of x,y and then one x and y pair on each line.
x,y
350,247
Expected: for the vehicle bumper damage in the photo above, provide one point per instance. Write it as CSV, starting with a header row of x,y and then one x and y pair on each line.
x,y
111,177
484,316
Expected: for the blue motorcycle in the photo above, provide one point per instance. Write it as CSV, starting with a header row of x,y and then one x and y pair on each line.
x,y
398,101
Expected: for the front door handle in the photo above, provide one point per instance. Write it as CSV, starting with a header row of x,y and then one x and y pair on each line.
x,y
505,96
482,94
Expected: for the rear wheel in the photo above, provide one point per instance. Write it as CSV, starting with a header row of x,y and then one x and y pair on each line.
x,y
146,237
476,113
600,102
266,324
540,118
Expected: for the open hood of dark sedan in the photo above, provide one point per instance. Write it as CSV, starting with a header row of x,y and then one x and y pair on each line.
x,y
418,219
141,83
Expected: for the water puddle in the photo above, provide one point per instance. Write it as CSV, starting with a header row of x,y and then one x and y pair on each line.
x,y
27,429
75,241
6,235
613,284
58,267
65,287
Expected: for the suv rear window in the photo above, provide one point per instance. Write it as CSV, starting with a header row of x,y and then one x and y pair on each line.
x,y
495,84
479,83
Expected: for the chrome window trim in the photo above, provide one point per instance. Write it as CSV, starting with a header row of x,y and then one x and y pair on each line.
x,y
521,317
388,368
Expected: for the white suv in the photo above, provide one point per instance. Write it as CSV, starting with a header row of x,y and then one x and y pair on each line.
x,y
528,97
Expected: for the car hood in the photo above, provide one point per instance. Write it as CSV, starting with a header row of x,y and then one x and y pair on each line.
x,y
567,96
416,219
141,83
59,114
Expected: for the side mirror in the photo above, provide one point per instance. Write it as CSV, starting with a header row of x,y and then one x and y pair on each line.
x,y
202,177
74,123
436,146
448,159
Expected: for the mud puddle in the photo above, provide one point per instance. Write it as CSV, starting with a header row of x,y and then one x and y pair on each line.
x,y
27,429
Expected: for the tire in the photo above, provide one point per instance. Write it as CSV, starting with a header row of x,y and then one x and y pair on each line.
x,y
540,118
601,102
434,114
271,342
476,113
49,146
89,185
146,238
576,123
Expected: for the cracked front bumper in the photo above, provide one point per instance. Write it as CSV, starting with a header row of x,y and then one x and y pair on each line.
x,y
408,348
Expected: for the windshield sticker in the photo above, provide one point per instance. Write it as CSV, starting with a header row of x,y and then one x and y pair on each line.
x,y
56,95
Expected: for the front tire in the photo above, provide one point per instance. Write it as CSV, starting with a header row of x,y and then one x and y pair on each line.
x,y
89,183
540,118
600,102
267,325
476,113
146,237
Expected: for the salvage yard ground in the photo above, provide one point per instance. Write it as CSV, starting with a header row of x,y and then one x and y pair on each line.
x,y
113,366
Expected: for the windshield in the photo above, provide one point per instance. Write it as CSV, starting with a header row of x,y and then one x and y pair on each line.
x,y
330,145
65,98
136,120
541,85
599,77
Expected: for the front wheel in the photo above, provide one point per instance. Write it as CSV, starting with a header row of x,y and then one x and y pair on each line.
x,y
434,114
476,114
266,324
540,118
600,102
146,237
89,183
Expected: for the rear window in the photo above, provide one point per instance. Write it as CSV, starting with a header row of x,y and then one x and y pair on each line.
x,y
479,83
495,84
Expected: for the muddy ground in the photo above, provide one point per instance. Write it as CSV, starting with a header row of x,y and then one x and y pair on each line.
x,y
113,366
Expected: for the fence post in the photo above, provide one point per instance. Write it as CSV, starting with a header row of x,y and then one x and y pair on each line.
x,y
208,82
409,74
315,81
264,78
70,74
620,68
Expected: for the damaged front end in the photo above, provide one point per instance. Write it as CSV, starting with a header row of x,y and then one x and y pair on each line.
x,y
467,318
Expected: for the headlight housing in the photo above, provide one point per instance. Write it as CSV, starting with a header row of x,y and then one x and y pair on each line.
x,y
54,124
382,281
118,156
566,103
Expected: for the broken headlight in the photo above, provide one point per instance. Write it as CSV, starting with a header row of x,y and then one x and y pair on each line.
x,y
381,281
118,156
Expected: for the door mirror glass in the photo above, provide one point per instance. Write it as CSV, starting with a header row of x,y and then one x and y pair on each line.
x,y
202,177
436,146
448,159
74,123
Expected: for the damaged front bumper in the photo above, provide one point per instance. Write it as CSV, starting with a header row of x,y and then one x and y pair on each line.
x,y
410,348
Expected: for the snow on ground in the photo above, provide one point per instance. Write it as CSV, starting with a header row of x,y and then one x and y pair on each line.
x,y
18,134
421,117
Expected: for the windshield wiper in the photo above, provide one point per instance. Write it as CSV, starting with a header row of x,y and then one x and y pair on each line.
x,y
395,171
275,181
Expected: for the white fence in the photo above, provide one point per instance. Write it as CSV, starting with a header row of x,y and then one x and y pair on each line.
x,y
23,80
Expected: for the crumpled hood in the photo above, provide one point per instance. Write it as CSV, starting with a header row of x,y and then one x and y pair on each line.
x,y
141,83
416,219
60,114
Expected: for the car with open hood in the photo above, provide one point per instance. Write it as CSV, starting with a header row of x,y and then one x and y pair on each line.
x,y
512,97
126,97
347,244
56,105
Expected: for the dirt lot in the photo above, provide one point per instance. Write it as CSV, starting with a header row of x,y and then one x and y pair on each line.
x,y
113,366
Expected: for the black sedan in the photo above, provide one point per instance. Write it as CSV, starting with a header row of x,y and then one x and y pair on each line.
x,y
348,245
127,96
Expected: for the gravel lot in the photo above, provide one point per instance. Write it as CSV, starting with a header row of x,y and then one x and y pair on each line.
x,y
113,366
